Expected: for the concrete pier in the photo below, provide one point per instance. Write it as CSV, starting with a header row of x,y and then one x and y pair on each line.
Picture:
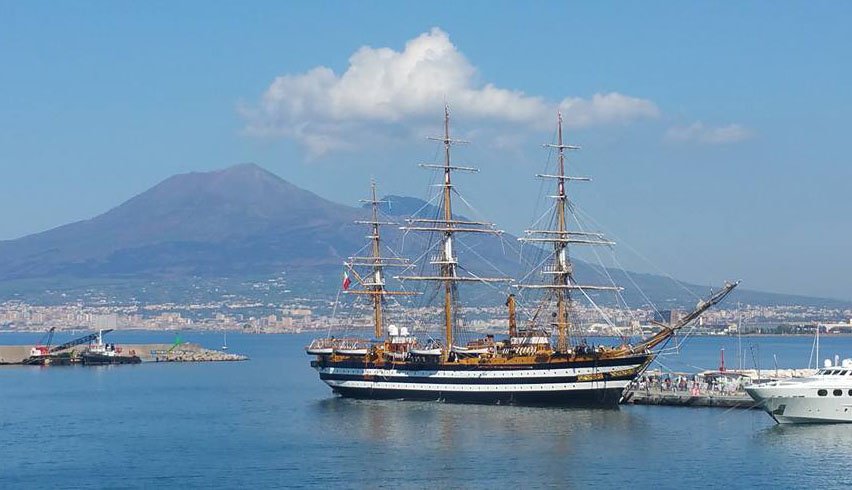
x,y
14,354
738,399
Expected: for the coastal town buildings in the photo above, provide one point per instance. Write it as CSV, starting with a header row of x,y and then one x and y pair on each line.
x,y
313,314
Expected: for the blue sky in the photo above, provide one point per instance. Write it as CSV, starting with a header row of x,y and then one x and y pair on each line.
x,y
717,141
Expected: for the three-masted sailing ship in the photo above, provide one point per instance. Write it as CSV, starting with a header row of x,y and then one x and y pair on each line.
x,y
525,367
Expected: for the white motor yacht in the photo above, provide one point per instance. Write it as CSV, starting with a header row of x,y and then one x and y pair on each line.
x,y
825,397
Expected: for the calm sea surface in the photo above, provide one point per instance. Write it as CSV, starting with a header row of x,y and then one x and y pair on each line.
x,y
270,422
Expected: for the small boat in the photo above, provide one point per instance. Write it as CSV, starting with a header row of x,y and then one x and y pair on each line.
x,y
431,349
225,341
432,352
108,357
471,351
321,347
352,351
98,353
319,351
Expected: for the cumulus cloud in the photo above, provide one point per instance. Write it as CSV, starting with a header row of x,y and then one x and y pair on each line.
x,y
699,132
611,108
383,88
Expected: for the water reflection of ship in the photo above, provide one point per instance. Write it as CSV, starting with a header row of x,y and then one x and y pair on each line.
x,y
451,425
797,439
526,368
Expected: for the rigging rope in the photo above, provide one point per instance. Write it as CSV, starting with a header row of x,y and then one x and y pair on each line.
x,y
637,253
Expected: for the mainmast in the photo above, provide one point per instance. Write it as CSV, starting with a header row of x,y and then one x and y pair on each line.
x,y
561,270
446,261
374,284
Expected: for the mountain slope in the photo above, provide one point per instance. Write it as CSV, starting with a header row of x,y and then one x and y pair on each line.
x,y
243,218
638,287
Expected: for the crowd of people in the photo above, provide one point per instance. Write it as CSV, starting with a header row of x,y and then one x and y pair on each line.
x,y
694,384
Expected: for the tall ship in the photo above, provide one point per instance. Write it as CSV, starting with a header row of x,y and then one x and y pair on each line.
x,y
538,361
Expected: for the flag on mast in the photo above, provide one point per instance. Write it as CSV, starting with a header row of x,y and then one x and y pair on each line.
x,y
346,280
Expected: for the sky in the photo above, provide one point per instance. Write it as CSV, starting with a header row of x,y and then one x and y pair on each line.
x,y
715,133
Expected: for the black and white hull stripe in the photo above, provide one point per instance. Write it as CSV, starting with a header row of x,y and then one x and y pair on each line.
x,y
571,383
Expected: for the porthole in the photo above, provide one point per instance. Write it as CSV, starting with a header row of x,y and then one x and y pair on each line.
x,y
822,392
838,392
850,392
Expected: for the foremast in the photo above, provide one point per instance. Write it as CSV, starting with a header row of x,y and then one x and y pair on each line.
x,y
561,269
373,284
445,224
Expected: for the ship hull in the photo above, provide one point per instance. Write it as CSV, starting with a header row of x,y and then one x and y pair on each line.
x,y
50,360
102,360
592,397
798,402
597,383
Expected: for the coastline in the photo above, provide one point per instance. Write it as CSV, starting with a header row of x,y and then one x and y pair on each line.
x,y
314,331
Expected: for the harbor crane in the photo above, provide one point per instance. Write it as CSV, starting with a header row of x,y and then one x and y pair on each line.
x,y
43,346
81,340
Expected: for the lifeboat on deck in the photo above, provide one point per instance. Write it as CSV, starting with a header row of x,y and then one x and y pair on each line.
x,y
320,347
430,352
471,351
352,347
352,351
432,349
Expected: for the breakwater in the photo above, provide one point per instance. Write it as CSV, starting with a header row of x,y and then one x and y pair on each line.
x,y
187,352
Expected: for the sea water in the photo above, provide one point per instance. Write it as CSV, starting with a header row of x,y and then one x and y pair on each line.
x,y
270,422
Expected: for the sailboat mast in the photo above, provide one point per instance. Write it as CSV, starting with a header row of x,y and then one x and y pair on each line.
x,y
448,226
373,280
561,276
448,265
562,282
378,280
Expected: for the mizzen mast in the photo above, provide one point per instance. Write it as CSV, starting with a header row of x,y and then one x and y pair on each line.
x,y
561,270
448,226
373,284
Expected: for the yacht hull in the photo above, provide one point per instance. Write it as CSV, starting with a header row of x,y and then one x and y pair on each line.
x,y
804,408
569,383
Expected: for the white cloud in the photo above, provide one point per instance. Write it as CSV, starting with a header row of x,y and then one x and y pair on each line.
x,y
382,88
719,135
611,108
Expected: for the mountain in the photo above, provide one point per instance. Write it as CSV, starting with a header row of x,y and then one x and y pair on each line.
x,y
243,222
242,219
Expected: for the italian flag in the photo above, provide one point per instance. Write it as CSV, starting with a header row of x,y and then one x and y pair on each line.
x,y
346,280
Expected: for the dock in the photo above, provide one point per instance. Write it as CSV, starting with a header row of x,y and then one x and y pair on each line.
x,y
676,398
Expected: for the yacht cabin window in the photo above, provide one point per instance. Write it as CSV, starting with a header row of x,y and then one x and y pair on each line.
x,y
822,392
